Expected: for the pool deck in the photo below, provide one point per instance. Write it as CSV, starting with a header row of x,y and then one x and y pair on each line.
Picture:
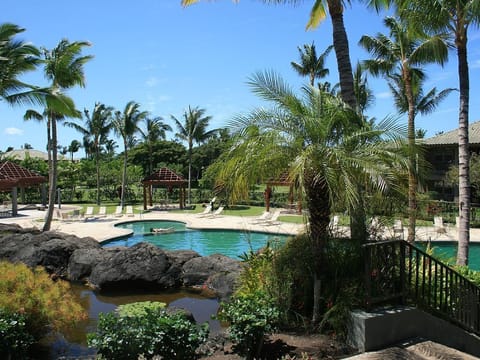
x,y
103,228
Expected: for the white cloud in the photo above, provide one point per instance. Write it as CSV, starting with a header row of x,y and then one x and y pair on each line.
x,y
384,95
13,131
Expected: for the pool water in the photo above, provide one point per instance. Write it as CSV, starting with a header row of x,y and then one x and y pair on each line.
x,y
232,243
447,252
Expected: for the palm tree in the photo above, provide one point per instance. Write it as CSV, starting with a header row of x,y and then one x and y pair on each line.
x,y
73,148
402,52
312,136
310,65
454,17
154,130
193,129
125,125
63,67
96,130
16,59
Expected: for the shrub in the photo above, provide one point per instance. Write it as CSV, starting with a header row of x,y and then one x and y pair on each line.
x,y
45,304
146,329
251,316
14,337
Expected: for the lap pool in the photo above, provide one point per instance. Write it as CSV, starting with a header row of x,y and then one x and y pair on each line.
x,y
232,243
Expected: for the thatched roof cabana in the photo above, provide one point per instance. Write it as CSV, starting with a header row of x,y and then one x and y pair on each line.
x,y
163,177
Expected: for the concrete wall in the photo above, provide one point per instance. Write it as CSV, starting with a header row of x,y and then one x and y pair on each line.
x,y
379,329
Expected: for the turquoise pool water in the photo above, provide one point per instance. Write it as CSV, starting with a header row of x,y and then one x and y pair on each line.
x,y
447,251
232,243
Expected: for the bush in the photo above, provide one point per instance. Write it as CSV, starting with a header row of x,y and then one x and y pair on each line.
x,y
45,304
251,316
146,329
14,337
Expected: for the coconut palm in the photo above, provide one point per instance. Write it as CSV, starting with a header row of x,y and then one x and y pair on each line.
x,y
155,129
310,65
312,136
125,125
403,52
74,146
63,68
454,17
193,129
95,133
16,59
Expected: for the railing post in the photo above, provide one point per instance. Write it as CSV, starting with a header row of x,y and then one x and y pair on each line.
x,y
368,280
403,259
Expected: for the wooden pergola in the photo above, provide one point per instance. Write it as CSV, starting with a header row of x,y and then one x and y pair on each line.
x,y
13,176
283,180
163,177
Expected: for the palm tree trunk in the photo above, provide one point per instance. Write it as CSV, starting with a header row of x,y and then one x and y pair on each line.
x,y
463,156
189,174
124,177
412,179
52,163
97,166
319,217
340,44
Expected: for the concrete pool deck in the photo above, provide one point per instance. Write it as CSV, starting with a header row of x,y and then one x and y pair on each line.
x,y
103,228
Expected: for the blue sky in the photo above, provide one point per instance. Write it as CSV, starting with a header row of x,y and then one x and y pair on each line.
x,y
166,58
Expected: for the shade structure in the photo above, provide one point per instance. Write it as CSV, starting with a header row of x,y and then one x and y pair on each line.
x,y
13,175
163,177
283,180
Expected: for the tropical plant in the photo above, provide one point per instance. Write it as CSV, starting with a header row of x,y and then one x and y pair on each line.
x,y
15,338
310,65
95,133
125,124
154,130
74,146
16,59
193,129
63,67
399,55
311,137
455,18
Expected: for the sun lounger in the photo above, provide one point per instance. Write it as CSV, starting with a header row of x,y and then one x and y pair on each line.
x,y
102,212
216,212
89,214
438,224
262,218
119,211
398,229
206,212
129,210
273,220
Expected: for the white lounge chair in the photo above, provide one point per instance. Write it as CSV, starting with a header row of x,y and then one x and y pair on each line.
x,y
216,212
129,210
438,225
89,213
102,211
262,218
273,220
119,211
206,212
398,229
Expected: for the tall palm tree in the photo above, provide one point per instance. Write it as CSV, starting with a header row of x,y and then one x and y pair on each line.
x,y
403,52
312,136
155,129
193,129
74,146
454,17
95,133
63,68
340,39
125,125
16,59
310,65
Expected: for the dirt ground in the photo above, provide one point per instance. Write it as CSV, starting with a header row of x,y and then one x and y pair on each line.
x,y
291,346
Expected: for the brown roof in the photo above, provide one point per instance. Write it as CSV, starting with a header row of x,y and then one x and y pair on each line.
x,y
283,179
451,137
12,175
164,176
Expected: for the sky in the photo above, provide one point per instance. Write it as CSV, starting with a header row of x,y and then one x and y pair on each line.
x,y
167,58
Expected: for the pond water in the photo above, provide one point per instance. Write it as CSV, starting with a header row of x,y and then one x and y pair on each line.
x,y
447,251
231,243
73,343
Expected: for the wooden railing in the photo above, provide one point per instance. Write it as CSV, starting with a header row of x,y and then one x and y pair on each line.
x,y
398,272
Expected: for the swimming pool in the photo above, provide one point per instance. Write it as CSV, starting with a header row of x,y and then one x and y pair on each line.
x,y
447,251
232,243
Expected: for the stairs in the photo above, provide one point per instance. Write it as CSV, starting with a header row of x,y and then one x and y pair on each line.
x,y
418,349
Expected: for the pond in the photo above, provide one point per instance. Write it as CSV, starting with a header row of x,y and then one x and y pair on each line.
x,y
73,344
232,243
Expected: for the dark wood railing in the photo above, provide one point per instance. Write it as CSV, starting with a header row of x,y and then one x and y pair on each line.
x,y
398,272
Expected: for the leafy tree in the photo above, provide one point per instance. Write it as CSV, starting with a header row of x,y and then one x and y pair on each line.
x,y
63,67
125,124
310,65
169,153
155,129
455,18
95,133
73,148
193,129
312,136
400,55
